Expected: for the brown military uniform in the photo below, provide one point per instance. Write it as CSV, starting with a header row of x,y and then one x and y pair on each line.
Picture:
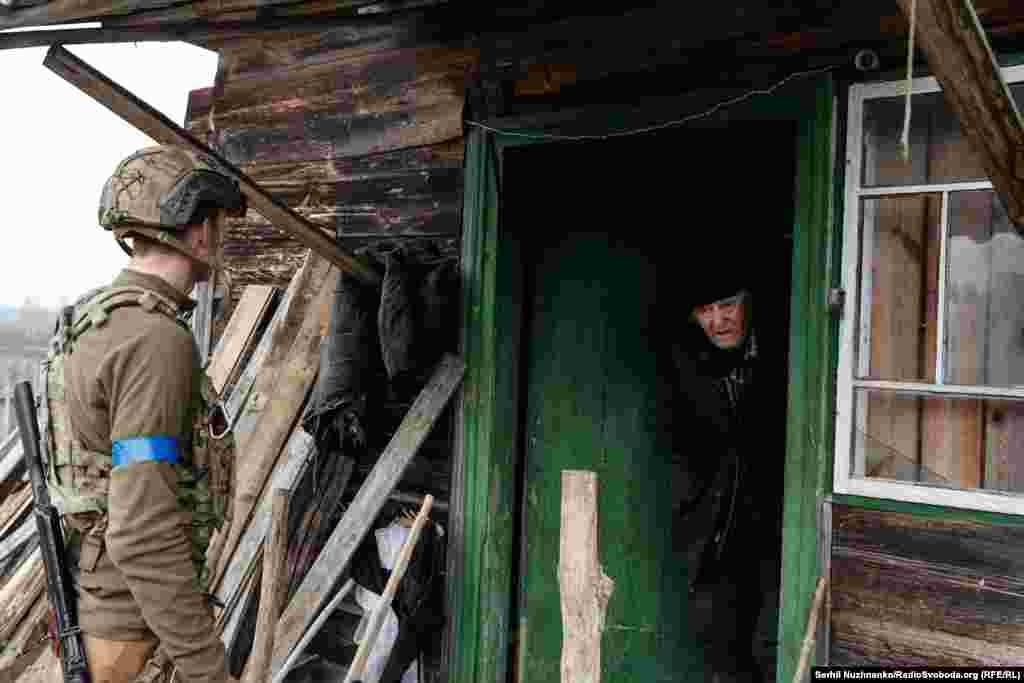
x,y
136,376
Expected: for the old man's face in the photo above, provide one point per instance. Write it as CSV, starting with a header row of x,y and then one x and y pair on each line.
x,y
724,321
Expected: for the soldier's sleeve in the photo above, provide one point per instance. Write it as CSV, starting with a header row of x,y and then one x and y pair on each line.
x,y
149,388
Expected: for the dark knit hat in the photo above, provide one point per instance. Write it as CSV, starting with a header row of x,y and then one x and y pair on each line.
x,y
716,268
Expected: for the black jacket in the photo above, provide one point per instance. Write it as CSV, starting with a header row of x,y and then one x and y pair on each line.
x,y
728,440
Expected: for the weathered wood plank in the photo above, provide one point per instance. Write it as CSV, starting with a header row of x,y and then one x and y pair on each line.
x,y
915,590
320,490
245,398
12,509
150,121
282,404
355,523
21,535
383,606
977,549
238,334
273,588
314,629
288,470
323,103
248,396
28,631
12,464
858,641
584,588
310,136
888,589
20,593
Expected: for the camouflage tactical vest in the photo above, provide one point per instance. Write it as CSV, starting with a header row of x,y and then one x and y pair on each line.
x,y
80,478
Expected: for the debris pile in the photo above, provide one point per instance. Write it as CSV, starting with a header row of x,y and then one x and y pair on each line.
x,y
330,392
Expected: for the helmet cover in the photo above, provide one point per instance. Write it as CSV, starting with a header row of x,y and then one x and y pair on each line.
x,y
163,186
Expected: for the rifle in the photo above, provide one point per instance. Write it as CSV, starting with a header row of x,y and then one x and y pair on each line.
x,y
59,588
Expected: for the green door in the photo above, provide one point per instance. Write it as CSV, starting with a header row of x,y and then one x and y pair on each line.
x,y
592,403
544,266
594,400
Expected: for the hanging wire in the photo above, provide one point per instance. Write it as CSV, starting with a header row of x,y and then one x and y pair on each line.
x,y
661,126
905,136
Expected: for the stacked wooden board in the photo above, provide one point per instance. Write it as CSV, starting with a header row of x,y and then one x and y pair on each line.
x,y
264,367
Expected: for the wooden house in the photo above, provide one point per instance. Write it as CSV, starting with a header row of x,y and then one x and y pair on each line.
x,y
570,154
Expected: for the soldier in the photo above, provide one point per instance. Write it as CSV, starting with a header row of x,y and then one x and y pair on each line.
x,y
139,491
732,519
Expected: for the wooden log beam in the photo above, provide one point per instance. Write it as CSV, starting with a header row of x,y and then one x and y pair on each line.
x,y
334,560
959,55
157,126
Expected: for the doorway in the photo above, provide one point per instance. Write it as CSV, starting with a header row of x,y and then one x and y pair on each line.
x,y
602,230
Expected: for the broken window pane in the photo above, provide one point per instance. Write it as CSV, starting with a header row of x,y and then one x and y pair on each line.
x,y
984,293
957,442
899,287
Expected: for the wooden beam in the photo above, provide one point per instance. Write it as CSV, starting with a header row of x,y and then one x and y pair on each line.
x,y
273,586
383,606
21,592
164,131
334,560
238,334
277,405
175,23
959,55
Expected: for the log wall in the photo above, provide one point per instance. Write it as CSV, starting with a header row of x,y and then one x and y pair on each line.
x,y
357,128
910,590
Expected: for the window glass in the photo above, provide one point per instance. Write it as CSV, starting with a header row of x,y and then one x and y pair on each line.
x,y
957,442
939,152
899,287
984,293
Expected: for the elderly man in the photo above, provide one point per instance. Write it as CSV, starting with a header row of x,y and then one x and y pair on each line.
x,y
730,519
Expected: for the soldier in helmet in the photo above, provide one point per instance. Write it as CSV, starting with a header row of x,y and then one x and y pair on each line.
x,y
123,389
731,519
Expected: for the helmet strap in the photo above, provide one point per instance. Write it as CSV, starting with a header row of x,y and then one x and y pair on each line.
x,y
162,237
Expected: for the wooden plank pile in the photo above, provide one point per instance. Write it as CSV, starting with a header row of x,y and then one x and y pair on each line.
x,y
264,365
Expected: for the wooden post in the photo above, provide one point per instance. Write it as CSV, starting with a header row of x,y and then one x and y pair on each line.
x,y
812,626
583,585
274,586
163,130
376,619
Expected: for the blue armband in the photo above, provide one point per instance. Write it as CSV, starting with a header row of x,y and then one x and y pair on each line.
x,y
145,449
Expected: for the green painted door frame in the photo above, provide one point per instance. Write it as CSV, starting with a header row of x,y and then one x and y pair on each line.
x,y
485,488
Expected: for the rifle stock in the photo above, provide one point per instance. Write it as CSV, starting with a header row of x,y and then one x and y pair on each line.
x,y
59,588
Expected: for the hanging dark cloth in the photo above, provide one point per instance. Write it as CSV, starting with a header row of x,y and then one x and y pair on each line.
x,y
395,320
337,406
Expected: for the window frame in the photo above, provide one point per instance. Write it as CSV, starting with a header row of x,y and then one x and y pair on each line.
x,y
849,324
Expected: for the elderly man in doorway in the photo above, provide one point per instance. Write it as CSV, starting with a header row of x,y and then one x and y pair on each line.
x,y
730,512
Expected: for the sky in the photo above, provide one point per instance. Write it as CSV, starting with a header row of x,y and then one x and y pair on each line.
x,y
60,146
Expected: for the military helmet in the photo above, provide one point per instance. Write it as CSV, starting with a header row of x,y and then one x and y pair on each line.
x,y
159,190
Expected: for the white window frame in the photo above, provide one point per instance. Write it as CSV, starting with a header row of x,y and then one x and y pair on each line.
x,y
843,481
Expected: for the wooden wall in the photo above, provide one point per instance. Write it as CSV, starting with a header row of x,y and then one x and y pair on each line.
x,y
357,128
916,590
